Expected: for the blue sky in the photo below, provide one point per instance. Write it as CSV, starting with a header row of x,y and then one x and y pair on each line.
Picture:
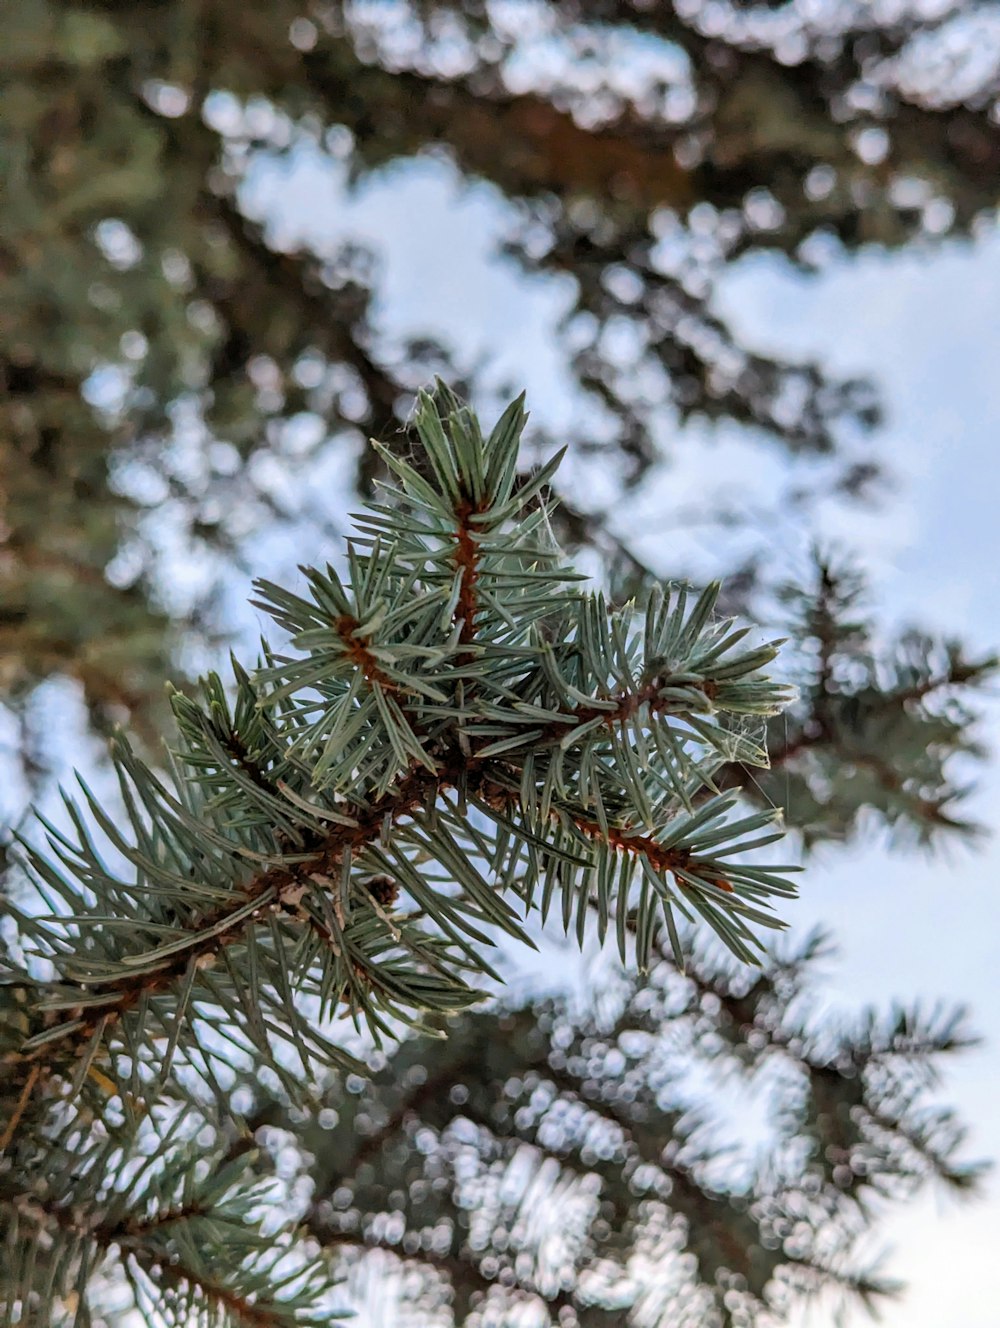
x,y
924,325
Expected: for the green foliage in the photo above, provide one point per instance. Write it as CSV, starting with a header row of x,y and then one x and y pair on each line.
x,y
457,735
877,727
176,1223
540,1159
211,922
453,737
550,1161
142,302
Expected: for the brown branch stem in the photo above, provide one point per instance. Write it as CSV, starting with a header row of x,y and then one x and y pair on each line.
x,y
467,562
360,655
244,1310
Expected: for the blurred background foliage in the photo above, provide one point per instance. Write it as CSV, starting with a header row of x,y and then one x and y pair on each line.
x,y
167,348
147,319
552,1164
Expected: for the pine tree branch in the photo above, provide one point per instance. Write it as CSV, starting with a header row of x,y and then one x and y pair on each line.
x,y
468,542
237,749
274,888
281,888
19,1107
817,733
156,1243
245,1313
459,1269
624,839
920,809
664,860
136,1228
623,706
467,563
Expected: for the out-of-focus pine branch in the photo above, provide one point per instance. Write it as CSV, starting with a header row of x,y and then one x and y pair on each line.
x,y
881,732
142,302
545,1159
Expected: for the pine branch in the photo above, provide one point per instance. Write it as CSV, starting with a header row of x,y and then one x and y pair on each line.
x,y
460,702
461,1271
898,713
190,1242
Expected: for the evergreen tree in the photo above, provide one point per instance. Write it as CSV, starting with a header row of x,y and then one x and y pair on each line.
x,y
456,738
155,335
540,1162
142,304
